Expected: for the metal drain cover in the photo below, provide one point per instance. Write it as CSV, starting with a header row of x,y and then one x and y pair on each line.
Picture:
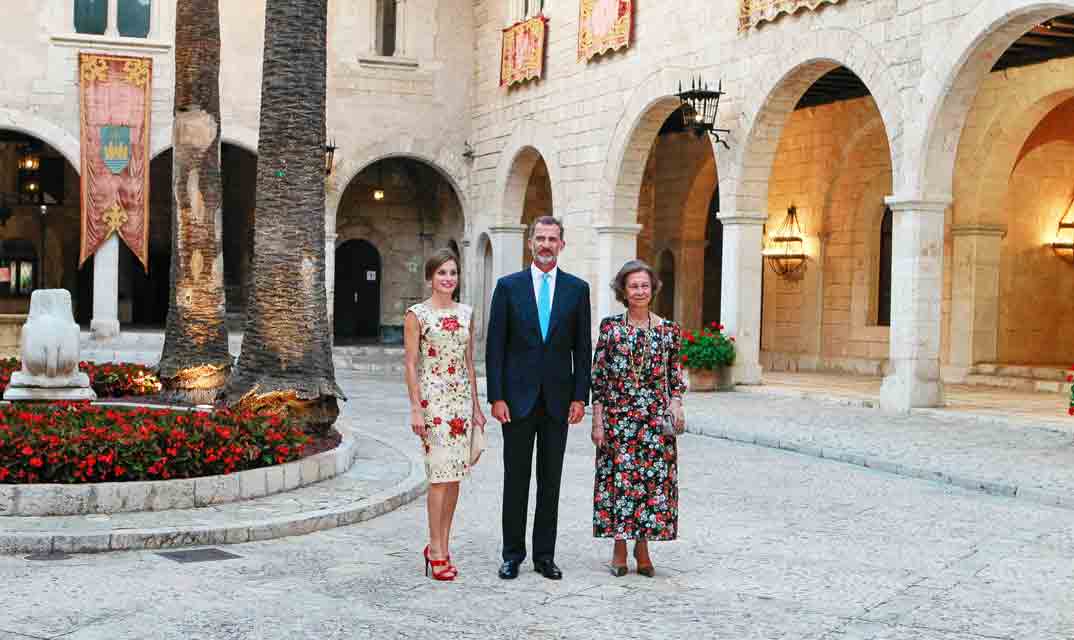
x,y
198,555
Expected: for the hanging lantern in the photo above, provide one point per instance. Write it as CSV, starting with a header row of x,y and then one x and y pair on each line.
x,y
329,157
1063,245
785,253
29,161
699,108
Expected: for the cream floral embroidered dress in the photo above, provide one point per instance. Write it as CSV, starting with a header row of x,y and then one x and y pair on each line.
x,y
445,390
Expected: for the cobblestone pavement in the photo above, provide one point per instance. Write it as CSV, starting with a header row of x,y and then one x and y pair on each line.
x,y
775,545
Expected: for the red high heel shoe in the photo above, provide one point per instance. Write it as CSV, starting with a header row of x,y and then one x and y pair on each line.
x,y
446,574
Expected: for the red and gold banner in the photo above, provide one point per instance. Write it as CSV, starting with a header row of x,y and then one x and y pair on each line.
x,y
603,25
522,55
754,12
116,99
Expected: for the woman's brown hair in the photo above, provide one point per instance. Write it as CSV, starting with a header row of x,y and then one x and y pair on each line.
x,y
439,258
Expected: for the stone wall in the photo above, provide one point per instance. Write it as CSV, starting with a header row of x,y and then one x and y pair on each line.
x,y
833,164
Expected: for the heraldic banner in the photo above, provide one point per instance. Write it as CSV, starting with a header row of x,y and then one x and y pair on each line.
x,y
116,102
753,12
603,25
522,55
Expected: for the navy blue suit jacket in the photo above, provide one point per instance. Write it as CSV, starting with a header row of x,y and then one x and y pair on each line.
x,y
520,365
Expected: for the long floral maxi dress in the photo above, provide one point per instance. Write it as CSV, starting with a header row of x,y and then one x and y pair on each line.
x,y
636,490
445,390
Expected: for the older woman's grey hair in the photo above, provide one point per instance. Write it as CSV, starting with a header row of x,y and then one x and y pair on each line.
x,y
632,267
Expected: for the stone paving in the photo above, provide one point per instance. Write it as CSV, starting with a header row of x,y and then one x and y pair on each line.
x,y
775,545
1014,455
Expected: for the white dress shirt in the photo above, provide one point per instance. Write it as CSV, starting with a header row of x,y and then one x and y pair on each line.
x,y
538,275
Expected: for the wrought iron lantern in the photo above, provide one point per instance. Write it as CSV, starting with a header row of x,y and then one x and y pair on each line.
x,y
699,107
29,161
329,157
785,252
1063,245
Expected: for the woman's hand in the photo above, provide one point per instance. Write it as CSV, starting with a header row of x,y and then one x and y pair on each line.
x,y
597,436
417,422
479,418
679,415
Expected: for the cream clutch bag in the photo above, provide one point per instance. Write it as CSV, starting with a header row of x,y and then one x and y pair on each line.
x,y
477,443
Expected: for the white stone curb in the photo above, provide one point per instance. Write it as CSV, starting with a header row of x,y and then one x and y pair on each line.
x,y
965,482
185,493
75,541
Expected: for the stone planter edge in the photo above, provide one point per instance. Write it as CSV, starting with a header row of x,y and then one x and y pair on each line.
x,y
184,493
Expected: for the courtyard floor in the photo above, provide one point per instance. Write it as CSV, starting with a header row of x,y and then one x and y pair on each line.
x,y
775,544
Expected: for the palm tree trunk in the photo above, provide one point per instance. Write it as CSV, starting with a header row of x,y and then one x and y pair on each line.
x,y
286,360
195,362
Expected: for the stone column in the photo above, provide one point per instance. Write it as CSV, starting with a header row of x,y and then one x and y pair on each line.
x,y
690,284
974,296
105,322
916,304
507,252
112,28
740,307
615,245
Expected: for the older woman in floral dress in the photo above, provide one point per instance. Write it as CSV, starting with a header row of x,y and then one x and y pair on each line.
x,y
637,380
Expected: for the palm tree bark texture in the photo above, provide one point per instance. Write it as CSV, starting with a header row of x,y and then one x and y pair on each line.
x,y
285,366
195,362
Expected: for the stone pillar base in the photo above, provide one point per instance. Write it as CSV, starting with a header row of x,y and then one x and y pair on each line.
x,y
748,373
901,393
104,329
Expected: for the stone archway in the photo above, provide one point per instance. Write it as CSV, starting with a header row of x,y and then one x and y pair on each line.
x,y
406,209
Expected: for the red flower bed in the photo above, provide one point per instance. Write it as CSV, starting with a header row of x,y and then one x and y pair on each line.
x,y
109,380
78,442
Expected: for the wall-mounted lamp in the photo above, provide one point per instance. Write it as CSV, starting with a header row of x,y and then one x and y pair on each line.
x,y
467,150
699,109
1063,245
329,157
785,252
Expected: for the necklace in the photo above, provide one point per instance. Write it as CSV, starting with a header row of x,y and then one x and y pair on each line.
x,y
637,365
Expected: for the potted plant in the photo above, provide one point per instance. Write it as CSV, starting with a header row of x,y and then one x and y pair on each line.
x,y
1070,378
707,354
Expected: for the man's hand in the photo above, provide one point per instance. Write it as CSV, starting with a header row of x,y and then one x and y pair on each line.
x,y
501,412
577,412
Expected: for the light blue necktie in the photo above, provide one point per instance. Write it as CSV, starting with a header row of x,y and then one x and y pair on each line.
x,y
544,304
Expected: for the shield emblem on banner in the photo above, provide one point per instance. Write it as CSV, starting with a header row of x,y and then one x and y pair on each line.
x,y
116,147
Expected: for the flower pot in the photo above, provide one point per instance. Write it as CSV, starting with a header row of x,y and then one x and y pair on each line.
x,y
718,379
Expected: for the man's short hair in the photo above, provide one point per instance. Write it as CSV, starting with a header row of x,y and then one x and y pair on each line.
x,y
547,221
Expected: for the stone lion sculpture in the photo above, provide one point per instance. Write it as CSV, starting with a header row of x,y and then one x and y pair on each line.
x,y
50,352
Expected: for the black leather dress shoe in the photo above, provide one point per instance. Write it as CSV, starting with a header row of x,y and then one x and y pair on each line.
x,y
548,569
509,569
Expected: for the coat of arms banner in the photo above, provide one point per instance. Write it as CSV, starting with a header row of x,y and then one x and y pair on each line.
x,y
116,100
522,55
754,12
603,25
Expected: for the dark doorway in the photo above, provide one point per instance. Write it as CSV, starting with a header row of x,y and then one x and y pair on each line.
x,y
357,296
883,315
713,262
665,302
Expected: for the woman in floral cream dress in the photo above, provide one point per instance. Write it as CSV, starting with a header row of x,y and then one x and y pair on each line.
x,y
637,380
444,407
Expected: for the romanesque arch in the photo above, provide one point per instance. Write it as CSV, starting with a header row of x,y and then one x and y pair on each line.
x,y
949,86
56,137
530,142
777,91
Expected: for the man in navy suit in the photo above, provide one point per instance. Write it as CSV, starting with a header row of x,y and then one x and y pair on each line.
x,y
537,361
